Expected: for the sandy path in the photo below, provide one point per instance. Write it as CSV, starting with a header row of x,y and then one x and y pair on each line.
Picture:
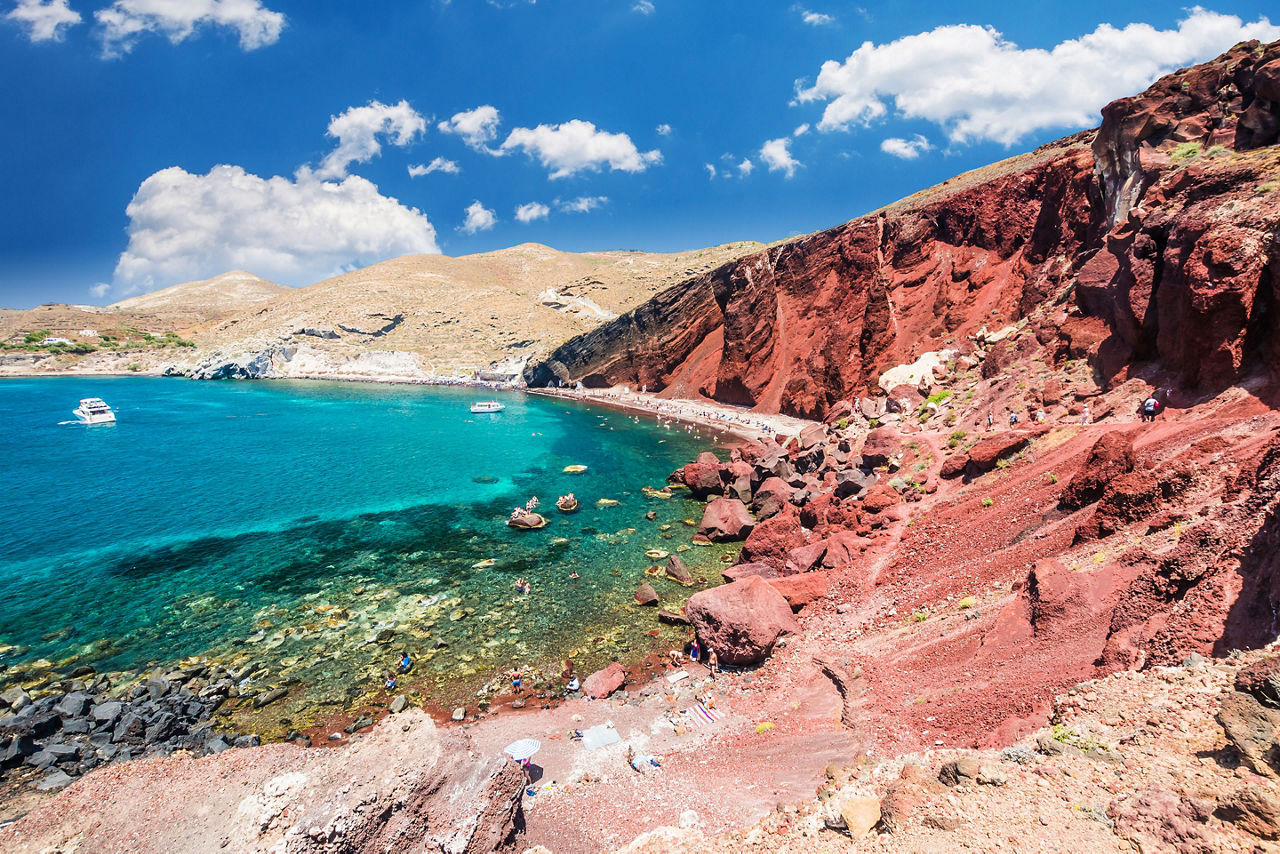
x,y
725,772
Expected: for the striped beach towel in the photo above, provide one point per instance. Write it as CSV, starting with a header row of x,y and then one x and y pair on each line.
x,y
698,715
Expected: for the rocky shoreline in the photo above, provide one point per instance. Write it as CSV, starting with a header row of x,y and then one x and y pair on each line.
x,y
90,720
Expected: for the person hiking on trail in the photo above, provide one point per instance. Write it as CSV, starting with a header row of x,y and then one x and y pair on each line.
x,y
1150,408
1013,418
1084,416
991,422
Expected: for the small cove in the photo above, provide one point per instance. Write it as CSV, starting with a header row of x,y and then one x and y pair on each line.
x,y
317,531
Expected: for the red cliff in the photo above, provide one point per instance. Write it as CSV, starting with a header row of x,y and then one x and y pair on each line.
x,y
1150,241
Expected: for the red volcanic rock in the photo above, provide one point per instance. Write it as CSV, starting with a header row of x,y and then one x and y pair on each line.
x,y
880,498
741,621
605,681
801,590
1110,457
677,571
703,479
954,465
828,512
812,436
707,458
737,477
843,549
1134,496
744,570
771,497
842,409
804,558
646,595
984,455
1051,393
752,452
771,539
1262,680
881,444
725,520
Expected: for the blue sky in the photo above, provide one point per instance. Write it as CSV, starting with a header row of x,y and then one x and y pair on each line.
x,y
148,142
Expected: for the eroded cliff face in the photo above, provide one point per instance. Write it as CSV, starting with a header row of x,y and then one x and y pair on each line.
x,y
1151,241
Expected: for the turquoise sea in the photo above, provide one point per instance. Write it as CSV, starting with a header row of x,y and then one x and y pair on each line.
x,y
322,529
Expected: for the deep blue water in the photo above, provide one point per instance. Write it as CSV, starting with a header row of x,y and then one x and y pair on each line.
x,y
294,521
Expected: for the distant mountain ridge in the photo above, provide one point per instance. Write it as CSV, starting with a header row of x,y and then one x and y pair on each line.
x,y
221,294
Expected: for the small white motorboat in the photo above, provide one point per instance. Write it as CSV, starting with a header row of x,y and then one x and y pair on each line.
x,y
93,410
487,406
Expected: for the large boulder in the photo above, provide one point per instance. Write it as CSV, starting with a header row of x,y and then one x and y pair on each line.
x,y
703,479
771,539
771,497
726,520
1110,457
801,590
984,455
737,477
741,621
605,681
843,548
804,558
881,444
854,482
743,570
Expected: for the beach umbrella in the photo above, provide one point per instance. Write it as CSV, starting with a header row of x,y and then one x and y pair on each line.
x,y
522,749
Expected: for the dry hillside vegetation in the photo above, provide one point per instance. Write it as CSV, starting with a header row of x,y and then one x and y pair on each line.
x,y
471,311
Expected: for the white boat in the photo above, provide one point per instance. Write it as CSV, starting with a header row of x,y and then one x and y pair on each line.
x,y
94,410
487,406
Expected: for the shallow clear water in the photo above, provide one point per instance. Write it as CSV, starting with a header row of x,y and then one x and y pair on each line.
x,y
291,523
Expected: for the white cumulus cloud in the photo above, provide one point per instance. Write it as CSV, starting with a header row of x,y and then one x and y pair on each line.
x,y
184,226
644,7
44,20
664,129
745,167
531,211
100,290
978,85
816,19
125,20
582,204
439,164
711,170
357,130
577,146
477,127
479,218
907,149
776,154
